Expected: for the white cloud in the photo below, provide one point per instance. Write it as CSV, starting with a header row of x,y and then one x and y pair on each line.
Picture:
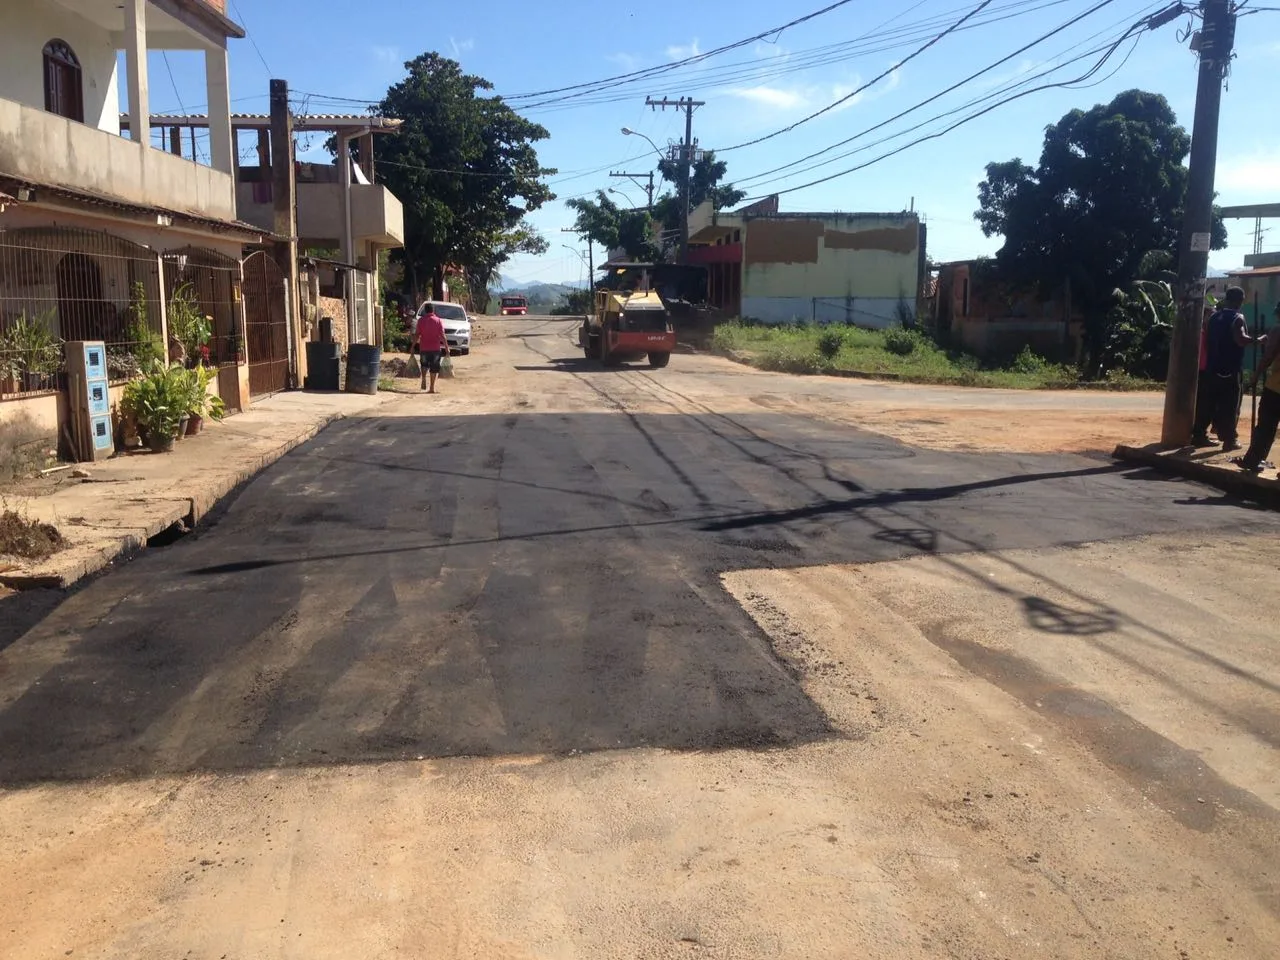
x,y
770,51
627,61
677,52
1255,174
799,99
461,46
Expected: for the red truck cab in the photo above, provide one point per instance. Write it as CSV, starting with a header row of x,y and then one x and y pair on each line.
x,y
514,306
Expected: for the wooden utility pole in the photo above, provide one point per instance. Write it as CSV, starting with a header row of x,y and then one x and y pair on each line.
x,y
284,196
1214,43
688,105
643,180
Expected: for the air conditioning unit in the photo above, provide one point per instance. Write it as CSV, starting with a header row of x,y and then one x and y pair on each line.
x,y
89,400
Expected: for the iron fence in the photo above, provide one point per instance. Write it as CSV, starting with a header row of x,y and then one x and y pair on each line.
x,y
59,284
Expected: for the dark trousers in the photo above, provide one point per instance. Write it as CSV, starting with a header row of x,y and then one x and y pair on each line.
x,y
1264,434
1218,404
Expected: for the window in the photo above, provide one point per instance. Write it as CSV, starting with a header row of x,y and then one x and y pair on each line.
x,y
63,84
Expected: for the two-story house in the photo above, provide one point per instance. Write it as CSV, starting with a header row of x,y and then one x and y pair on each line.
x,y
99,226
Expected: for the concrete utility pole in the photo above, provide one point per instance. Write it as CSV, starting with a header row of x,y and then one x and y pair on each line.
x,y
1214,43
687,104
640,181
284,195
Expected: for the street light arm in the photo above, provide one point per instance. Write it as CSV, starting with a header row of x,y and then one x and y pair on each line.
x,y
627,131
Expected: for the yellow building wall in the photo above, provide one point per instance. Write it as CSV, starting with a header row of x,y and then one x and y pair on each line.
x,y
861,269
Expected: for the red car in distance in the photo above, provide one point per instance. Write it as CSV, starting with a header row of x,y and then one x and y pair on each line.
x,y
514,306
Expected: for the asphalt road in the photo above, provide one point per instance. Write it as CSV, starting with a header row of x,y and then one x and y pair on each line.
x,y
491,584
532,565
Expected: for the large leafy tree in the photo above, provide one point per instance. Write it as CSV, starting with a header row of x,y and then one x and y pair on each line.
x,y
465,167
1109,191
614,227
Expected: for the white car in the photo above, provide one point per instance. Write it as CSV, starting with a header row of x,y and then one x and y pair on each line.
x,y
457,325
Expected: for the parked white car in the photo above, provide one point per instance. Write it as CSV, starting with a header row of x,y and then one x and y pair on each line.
x,y
457,325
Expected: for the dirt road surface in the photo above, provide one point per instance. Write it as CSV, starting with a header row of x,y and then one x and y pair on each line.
x,y
700,662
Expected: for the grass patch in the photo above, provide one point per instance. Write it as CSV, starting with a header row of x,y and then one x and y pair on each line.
x,y
28,539
895,354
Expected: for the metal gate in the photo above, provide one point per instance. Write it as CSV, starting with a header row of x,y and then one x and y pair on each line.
x,y
266,325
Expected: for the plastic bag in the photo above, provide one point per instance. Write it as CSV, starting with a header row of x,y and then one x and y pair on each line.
x,y
446,366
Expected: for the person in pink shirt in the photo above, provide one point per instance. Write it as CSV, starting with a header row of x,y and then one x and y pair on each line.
x,y
431,344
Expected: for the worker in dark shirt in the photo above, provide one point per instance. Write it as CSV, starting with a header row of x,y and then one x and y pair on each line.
x,y
1224,359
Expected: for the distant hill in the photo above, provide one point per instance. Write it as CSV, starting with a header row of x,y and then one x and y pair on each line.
x,y
539,293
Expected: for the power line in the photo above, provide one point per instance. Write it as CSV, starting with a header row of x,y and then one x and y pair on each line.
x,y
856,48
696,58
995,94
249,33
959,123
901,63
951,89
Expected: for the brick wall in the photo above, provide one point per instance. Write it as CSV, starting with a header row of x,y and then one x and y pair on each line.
x,y
337,309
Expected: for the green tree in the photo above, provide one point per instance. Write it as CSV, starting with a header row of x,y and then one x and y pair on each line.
x,y
1108,191
612,226
465,167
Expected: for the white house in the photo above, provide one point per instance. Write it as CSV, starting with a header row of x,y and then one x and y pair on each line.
x,y
99,226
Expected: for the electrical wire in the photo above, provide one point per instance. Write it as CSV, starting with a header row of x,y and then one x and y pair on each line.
x,y
951,89
959,123
249,33
847,97
696,58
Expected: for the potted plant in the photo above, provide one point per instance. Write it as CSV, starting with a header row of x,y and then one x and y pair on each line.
x,y
158,401
37,351
189,328
201,403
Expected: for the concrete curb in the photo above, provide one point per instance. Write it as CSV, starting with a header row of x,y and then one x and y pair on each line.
x,y
78,562
1247,486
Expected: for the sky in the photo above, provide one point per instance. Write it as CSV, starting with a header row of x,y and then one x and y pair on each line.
x,y
327,49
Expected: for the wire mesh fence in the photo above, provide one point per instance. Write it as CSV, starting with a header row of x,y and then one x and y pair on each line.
x,y
59,284
201,288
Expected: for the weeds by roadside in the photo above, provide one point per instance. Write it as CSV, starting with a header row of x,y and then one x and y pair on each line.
x,y
27,539
897,353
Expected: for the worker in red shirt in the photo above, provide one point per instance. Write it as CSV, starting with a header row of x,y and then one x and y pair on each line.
x,y
431,344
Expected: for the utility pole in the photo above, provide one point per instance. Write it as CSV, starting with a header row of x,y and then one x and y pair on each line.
x,y
284,197
688,105
1215,41
640,182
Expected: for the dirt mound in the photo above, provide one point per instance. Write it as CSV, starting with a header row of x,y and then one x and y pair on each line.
x,y
399,366
28,539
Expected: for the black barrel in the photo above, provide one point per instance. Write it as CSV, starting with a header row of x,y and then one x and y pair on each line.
x,y
364,363
323,363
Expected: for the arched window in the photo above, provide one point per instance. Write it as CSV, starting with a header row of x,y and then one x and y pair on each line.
x,y
63,84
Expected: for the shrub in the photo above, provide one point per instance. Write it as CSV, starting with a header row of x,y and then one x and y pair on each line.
x,y
829,343
1028,361
900,341
790,360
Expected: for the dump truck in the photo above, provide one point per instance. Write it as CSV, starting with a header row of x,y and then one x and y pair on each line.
x,y
628,324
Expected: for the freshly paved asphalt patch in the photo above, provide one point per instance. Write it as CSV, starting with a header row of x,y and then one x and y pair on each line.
x,y
408,586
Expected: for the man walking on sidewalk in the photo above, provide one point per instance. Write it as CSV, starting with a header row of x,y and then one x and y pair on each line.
x,y
1227,338
1264,433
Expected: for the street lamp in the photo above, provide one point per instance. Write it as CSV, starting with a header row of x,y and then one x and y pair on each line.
x,y
628,132
576,251
623,196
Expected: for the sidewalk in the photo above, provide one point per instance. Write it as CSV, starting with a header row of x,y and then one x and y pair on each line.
x,y
1210,466
127,500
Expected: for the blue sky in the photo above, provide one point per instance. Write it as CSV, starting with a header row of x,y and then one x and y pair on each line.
x,y
343,50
